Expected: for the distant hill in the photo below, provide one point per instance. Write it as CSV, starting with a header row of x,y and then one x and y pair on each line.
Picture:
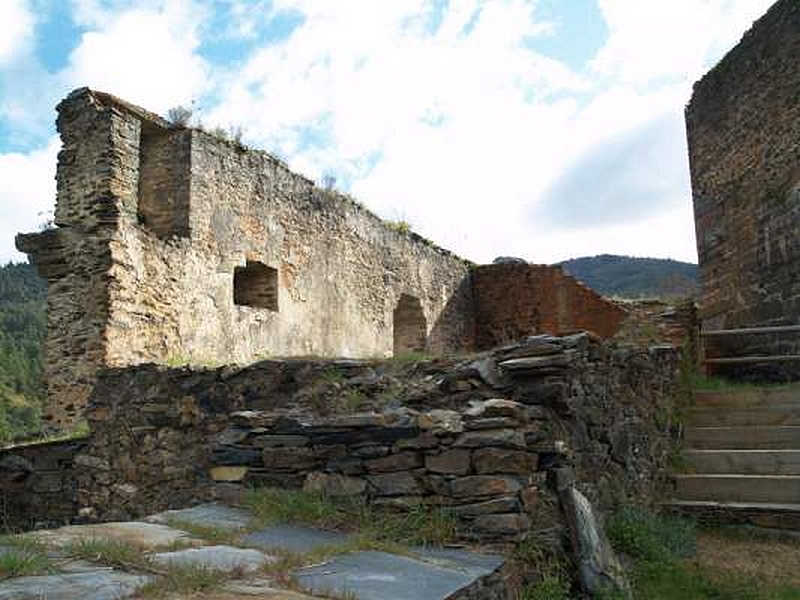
x,y
630,277
22,329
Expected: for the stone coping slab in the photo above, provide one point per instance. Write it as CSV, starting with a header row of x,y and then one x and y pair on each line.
x,y
294,538
100,584
215,558
212,516
376,575
148,536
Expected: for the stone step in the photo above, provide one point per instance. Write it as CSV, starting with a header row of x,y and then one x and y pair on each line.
x,y
772,413
745,462
759,514
746,398
742,437
778,489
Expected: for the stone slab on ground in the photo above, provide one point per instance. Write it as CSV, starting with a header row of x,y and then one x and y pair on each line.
x,y
260,588
100,584
215,558
148,536
376,575
212,516
293,538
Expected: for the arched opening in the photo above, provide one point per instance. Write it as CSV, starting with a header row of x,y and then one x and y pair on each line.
x,y
410,327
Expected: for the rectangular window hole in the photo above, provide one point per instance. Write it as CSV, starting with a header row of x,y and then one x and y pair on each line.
x,y
256,285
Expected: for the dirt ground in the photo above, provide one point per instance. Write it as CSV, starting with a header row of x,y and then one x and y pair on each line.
x,y
767,557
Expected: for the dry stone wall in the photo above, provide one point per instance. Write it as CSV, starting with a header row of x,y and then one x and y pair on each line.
x,y
480,437
743,125
38,485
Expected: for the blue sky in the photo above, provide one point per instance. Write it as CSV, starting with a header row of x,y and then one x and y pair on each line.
x,y
545,129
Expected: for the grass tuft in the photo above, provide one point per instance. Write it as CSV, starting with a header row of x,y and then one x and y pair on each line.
x,y
112,553
22,556
649,537
187,579
552,587
419,525
215,535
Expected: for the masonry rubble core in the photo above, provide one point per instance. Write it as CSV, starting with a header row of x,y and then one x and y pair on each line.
x,y
174,246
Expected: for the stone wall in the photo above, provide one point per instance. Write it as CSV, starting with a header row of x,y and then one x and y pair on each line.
x,y
38,485
479,436
153,222
174,246
514,300
743,126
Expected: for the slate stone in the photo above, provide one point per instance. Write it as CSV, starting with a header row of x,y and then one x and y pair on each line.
x,y
334,485
474,563
424,441
400,461
100,584
496,407
478,486
507,504
501,525
450,462
279,441
370,451
215,558
381,435
291,459
293,538
500,438
599,569
491,423
395,484
261,588
228,474
144,535
236,455
441,421
533,363
216,516
500,460
383,576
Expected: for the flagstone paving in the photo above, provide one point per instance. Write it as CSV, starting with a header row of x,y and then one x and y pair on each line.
x,y
215,558
100,584
247,559
211,516
291,538
147,536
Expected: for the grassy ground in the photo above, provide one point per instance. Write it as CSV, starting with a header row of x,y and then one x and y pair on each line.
x,y
669,558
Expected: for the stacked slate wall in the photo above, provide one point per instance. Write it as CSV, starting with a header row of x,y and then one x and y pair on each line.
x,y
479,437
38,484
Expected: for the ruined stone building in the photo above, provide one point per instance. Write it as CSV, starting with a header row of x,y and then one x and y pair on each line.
x,y
743,126
174,246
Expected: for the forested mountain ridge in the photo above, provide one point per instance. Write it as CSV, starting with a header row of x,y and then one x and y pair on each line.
x,y
22,330
631,277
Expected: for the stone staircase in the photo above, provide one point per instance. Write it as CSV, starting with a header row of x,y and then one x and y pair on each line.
x,y
742,455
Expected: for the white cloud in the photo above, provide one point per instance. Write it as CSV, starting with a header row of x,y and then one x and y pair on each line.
x,y
649,41
27,194
145,55
18,25
460,117
460,129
